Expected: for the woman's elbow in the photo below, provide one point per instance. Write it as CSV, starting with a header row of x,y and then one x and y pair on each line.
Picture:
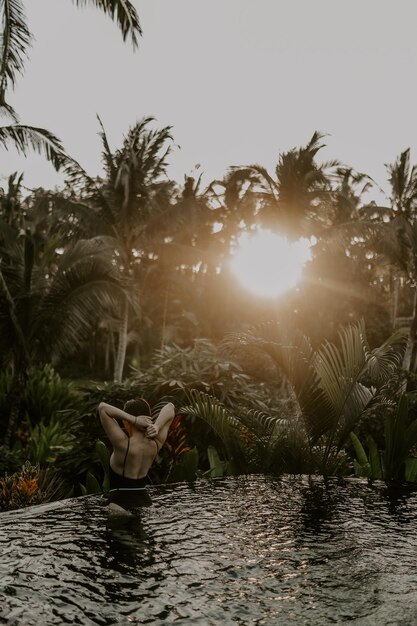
x,y
102,410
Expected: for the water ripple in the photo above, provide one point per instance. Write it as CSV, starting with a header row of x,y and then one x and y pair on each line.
x,y
250,550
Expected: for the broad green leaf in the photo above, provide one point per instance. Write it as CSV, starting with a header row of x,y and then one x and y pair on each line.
x,y
374,459
359,450
216,465
411,470
92,484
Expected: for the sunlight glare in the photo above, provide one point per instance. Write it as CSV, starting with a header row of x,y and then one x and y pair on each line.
x,y
267,264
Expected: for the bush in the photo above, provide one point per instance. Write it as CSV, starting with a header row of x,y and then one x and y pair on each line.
x,y
48,441
10,460
46,394
30,486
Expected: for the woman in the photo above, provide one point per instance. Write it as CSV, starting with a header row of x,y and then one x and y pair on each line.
x,y
134,452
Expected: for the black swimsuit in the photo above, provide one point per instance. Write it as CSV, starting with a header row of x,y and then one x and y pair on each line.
x,y
118,482
127,492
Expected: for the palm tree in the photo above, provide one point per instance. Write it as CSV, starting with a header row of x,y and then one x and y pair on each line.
x,y
130,206
234,204
293,201
403,182
16,37
349,188
10,201
399,245
14,44
392,232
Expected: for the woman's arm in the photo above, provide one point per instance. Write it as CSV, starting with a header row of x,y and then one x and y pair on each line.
x,y
140,421
159,430
109,414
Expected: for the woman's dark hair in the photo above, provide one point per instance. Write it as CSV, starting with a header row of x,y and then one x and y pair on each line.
x,y
137,406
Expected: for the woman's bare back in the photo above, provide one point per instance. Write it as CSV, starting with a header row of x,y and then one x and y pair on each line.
x,y
134,457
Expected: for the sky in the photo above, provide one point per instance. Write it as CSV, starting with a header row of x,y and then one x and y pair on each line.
x,y
240,81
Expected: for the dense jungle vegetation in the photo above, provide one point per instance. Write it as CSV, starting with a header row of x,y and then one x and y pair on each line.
x,y
119,285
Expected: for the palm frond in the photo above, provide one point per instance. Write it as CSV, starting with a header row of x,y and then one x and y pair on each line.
x,y
25,138
90,190
65,313
383,362
7,111
122,12
264,179
339,368
85,249
295,358
212,411
7,235
226,425
261,425
107,153
15,42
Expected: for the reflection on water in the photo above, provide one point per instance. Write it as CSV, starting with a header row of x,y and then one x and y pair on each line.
x,y
251,550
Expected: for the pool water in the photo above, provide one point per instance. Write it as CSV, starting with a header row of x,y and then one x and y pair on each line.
x,y
246,550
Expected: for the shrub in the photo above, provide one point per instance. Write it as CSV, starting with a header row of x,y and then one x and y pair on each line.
x,y
30,486
46,394
10,460
47,442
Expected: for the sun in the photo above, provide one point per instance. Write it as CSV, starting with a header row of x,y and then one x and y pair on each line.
x,y
267,264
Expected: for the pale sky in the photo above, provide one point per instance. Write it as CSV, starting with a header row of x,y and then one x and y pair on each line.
x,y
239,80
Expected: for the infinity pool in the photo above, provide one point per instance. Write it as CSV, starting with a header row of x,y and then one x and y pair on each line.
x,y
250,550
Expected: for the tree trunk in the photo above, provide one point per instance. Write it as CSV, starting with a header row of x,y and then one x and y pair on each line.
x,y
394,300
164,320
122,342
21,363
14,400
411,336
107,355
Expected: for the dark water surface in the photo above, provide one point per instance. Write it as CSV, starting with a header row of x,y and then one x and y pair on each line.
x,y
251,550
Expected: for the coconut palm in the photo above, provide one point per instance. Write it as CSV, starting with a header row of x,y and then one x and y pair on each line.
x,y
10,201
349,188
163,241
234,205
401,241
130,205
403,182
392,233
399,245
293,201
14,44
16,37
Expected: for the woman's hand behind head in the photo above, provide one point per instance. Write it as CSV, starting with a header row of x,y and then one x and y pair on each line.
x,y
143,421
152,430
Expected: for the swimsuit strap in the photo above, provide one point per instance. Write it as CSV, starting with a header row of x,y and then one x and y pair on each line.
x,y
124,462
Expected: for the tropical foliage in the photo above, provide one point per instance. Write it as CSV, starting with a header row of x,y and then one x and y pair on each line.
x,y
333,386
47,300
395,462
28,487
129,210
126,275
